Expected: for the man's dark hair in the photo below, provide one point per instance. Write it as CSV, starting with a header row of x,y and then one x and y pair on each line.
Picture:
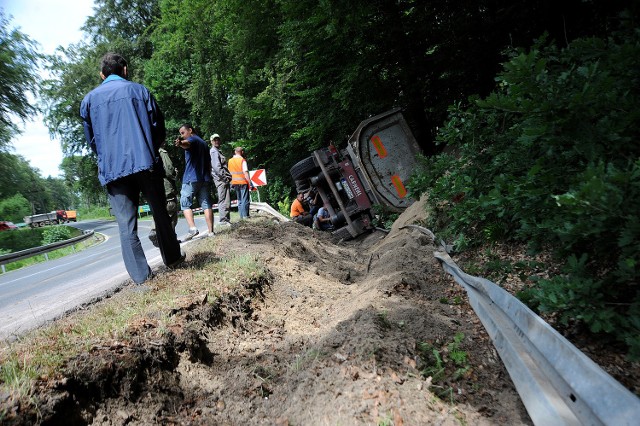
x,y
113,63
187,126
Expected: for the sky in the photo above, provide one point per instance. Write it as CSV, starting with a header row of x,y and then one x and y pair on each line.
x,y
51,23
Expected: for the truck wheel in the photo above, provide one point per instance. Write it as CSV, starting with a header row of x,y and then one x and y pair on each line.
x,y
303,185
303,169
342,233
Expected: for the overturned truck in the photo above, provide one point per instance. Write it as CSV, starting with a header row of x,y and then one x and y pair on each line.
x,y
379,158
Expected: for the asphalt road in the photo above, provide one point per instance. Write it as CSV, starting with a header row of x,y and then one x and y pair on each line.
x,y
32,296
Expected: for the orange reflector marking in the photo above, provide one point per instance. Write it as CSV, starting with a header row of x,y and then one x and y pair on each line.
x,y
377,144
400,189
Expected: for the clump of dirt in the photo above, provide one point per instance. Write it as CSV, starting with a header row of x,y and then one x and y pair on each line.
x,y
369,331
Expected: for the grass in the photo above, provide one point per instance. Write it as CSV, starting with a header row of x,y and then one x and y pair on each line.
x,y
94,213
42,353
446,364
304,360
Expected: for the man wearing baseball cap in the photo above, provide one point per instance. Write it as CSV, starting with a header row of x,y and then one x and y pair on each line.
x,y
221,180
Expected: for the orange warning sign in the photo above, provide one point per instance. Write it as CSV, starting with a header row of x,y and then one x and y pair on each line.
x,y
377,144
397,183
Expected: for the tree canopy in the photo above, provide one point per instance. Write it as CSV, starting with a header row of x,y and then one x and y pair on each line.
x,y
19,62
537,99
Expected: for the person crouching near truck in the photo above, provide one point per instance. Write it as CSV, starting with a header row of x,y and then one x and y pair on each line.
x,y
322,219
299,211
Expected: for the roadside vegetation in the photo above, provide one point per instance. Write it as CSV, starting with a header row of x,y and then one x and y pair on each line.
x,y
551,159
26,238
93,213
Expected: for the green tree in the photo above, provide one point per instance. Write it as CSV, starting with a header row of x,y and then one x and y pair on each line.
x,y
17,176
19,63
14,208
551,158
81,175
118,26
283,77
74,72
61,195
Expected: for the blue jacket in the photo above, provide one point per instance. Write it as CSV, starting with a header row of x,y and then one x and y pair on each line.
x,y
124,126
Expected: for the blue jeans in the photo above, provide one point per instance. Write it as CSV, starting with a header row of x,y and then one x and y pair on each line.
x,y
124,197
242,194
200,190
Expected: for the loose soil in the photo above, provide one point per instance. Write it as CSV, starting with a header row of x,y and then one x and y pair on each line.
x,y
337,333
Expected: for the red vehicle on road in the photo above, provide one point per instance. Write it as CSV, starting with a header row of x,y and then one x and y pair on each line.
x,y
7,226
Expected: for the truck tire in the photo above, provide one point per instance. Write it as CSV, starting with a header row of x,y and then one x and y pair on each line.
x,y
342,233
303,169
303,185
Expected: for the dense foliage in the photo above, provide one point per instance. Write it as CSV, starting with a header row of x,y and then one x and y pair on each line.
x,y
22,189
18,77
53,234
18,180
20,239
14,208
552,158
283,77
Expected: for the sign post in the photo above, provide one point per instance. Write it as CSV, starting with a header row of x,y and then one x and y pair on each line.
x,y
258,178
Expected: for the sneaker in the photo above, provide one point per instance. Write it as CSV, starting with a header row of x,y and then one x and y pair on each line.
x,y
224,223
178,262
153,237
192,233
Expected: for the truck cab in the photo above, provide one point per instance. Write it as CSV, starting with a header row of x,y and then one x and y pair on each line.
x,y
379,158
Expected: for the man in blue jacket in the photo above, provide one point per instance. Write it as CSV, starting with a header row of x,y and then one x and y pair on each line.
x,y
125,128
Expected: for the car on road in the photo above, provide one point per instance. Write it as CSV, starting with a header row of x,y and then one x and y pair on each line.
x,y
379,159
7,226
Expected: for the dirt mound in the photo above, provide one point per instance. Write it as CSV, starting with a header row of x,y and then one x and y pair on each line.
x,y
360,332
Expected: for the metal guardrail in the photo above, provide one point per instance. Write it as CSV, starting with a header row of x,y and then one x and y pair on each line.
x,y
558,384
254,205
24,254
268,209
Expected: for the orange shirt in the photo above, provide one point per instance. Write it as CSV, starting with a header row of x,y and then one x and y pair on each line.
x,y
296,208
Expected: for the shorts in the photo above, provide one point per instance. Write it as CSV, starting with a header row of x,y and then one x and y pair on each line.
x,y
201,191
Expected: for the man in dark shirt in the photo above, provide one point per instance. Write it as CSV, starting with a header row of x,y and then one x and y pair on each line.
x,y
125,128
196,178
